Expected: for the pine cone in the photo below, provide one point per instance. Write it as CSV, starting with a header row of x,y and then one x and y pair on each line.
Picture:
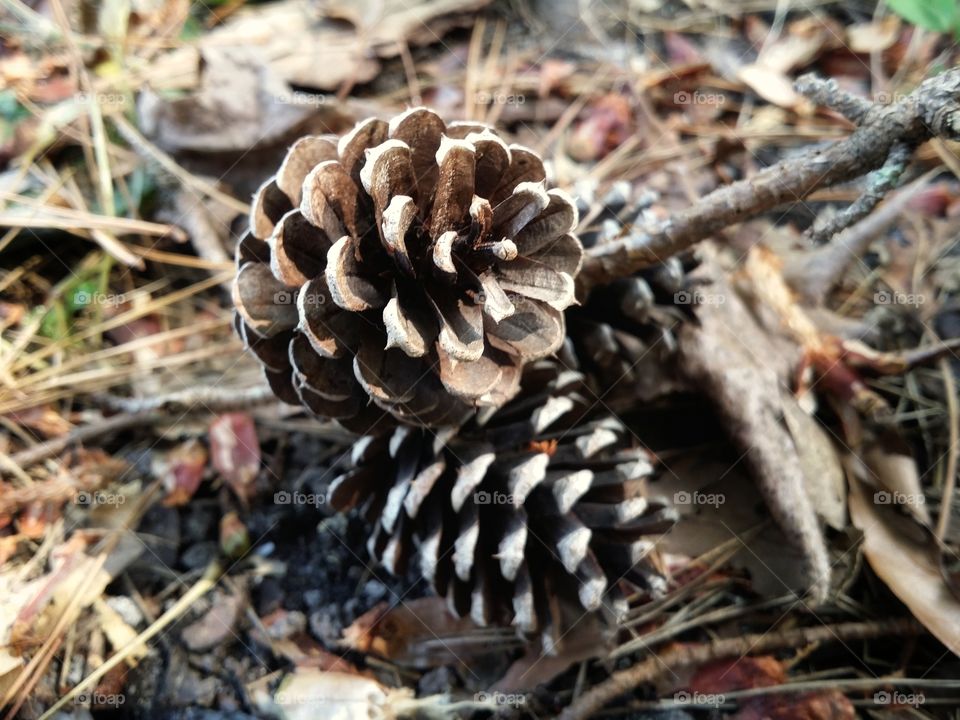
x,y
523,515
622,338
412,263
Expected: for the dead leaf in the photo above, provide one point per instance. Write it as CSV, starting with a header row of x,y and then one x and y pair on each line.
x,y
235,83
772,85
35,518
743,367
387,23
235,451
822,468
605,124
46,420
343,696
874,36
216,625
586,639
422,633
181,471
902,553
893,473
118,632
303,651
725,676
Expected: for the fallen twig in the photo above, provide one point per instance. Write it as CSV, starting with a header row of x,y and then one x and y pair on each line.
x,y
212,399
678,656
39,453
932,110
821,269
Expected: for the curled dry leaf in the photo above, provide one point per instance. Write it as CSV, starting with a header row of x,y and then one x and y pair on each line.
x,y
252,61
118,632
231,82
235,451
743,367
905,555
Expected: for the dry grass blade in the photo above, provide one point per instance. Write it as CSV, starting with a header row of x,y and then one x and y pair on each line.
x,y
204,585
46,216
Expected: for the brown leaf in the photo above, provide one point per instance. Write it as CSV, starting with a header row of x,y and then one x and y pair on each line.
x,y
388,23
43,419
181,471
742,366
216,625
605,125
233,100
724,676
903,554
771,85
420,633
235,451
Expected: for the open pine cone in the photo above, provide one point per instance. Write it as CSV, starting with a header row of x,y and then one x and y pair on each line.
x,y
623,337
412,263
528,514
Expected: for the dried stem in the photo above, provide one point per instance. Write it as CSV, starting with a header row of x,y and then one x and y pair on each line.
x,y
932,110
39,453
678,656
821,269
210,399
880,183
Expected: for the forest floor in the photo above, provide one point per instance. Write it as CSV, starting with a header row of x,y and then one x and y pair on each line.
x,y
165,545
